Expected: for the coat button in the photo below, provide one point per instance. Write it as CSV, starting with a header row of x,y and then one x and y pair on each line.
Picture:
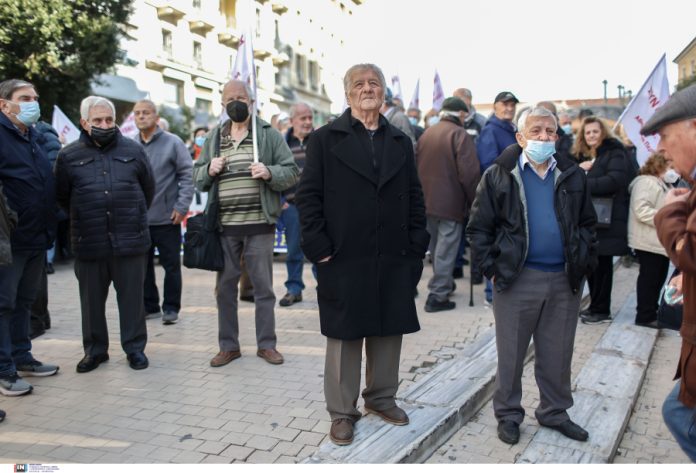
x,y
106,192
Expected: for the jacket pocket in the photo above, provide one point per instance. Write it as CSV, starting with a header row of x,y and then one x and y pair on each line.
x,y
124,169
83,172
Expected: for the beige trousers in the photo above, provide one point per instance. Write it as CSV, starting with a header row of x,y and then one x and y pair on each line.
x,y
342,375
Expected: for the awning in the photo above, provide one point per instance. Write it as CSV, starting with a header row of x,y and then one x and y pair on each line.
x,y
117,88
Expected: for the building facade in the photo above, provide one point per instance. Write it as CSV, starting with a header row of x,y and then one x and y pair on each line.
x,y
180,53
686,62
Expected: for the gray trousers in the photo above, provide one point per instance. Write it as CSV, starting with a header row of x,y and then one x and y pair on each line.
x,y
94,278
539,305
258,258
342,375
444,244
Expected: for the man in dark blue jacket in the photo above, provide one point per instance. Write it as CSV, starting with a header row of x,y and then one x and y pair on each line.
x,y
105,181
28,183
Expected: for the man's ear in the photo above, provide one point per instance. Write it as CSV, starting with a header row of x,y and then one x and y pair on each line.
x,y
521,140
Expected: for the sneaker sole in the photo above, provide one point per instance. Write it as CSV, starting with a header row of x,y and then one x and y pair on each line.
x,y
595,322
438,309
15,393
340,443
169,322
37,375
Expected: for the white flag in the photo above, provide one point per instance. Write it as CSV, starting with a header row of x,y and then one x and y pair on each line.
x,y
128,128
438,94
653,94
396,88
415,100
67,131
245,70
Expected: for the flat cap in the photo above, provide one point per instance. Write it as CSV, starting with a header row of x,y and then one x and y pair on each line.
x,y
454,104
680,106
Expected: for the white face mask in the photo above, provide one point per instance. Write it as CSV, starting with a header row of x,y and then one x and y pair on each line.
x,y
671,176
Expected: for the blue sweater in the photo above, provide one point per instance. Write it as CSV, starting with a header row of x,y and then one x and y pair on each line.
x,y
545,241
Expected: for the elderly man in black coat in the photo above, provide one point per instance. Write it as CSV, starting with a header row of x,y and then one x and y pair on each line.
x,y
105,181
363,225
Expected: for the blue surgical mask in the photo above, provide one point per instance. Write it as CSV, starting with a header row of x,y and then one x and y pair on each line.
x,y
568,129
540,151
413,120
671,176
29,112
199,141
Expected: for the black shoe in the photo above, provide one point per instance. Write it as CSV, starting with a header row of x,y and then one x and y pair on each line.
x,y
585,313
433,305
49,268
457,273
289,299
571,430
2,415
88,363
594,319
137,360
509,431
652,324
246,298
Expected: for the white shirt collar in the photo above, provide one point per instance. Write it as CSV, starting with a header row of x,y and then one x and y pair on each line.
x,y
524,161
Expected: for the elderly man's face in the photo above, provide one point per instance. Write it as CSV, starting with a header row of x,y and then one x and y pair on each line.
x,y
235,91
678,145
100,116
537,129
11,107
301,122
505,110
145,116
365,92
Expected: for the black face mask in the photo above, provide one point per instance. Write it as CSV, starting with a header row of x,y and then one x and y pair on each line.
x,y
238,111
103,136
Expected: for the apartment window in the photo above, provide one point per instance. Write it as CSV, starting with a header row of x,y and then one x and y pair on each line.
x,y
314,75
198,54
204,106
693,67
173,92
258,22
196,4
167,42
300,62
229,10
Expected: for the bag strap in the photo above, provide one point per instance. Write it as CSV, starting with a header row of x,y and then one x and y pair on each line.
x,y
212,222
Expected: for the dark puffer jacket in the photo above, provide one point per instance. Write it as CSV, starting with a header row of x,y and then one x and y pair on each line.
x,y
610,176
498,228
107,192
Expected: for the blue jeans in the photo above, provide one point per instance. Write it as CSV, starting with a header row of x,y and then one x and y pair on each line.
x,y
19,284
681,421
489,290
294,260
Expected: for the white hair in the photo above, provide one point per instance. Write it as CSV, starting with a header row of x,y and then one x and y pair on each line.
x,y
295,108
535,112
363,67
247,88
95,101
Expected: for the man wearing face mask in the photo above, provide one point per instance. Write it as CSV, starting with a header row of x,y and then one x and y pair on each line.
x,y
28,184
105,181
247,194
532,233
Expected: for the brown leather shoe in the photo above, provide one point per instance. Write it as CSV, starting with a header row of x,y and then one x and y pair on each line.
x,y
271,355
394,415
341,432
224,357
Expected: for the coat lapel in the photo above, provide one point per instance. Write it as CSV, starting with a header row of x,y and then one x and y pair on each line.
x,y
349,151
394,156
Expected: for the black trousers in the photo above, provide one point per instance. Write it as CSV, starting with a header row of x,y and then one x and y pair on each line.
x,y
94,278
600,282
652,275
167,239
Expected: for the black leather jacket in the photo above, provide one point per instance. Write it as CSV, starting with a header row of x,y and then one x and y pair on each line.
x,y
498,229
107,192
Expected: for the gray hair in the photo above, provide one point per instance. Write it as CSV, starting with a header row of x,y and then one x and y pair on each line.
x,y
95,101
149,103
247,88
8,87
296,107
535,112
362,67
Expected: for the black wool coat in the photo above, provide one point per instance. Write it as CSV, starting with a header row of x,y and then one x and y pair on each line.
x,y
610,176
374,228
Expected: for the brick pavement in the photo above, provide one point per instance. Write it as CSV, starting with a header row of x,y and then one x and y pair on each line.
x,y
646,439
180,409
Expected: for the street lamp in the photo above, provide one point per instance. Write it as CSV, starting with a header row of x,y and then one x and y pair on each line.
x,y
605,91
621,89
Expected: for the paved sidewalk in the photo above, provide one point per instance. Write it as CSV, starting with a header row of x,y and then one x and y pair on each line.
x,y
646,439
180,409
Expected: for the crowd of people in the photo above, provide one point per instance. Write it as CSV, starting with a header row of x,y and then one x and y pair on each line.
x,y
364,199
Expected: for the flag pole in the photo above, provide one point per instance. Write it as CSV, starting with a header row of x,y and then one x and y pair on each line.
x,y
252,75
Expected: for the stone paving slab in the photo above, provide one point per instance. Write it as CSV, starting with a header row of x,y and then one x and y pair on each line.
x,y
180,409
